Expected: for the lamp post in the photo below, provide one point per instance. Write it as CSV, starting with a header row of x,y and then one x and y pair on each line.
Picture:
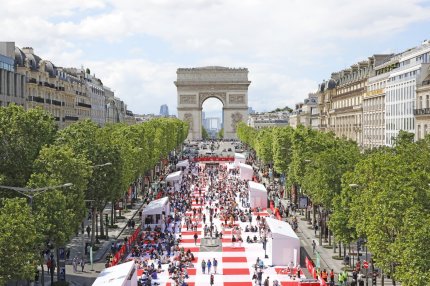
x,y
31,193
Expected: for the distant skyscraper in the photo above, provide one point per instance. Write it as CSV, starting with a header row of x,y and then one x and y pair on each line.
x,y
250,110
164,110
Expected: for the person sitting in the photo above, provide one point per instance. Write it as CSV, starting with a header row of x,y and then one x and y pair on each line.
x,y
255,238
248,239
247,229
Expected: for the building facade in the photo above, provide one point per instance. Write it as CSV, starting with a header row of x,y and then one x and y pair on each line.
x,y
401,91
422,106
267,119
374,104
12,84
69,94
326,91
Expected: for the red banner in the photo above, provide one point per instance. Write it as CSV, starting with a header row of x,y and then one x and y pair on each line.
x,y
214,159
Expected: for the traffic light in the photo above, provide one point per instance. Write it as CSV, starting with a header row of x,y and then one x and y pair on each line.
x,y
374,280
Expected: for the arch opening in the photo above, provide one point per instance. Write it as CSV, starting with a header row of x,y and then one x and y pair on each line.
x,y
212,118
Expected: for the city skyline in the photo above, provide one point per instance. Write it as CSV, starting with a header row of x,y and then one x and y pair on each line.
x,y
133,48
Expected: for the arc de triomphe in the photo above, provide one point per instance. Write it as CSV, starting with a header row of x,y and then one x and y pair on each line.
x,y
229,85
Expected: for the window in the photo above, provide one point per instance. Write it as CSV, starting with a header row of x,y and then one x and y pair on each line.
x,y
427,101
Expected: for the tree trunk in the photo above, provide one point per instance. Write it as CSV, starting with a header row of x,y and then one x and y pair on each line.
x,y
97,224
58,263
43,272
93,225
102,230
112,214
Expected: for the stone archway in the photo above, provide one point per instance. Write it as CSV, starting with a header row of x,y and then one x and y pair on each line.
x,y
229,85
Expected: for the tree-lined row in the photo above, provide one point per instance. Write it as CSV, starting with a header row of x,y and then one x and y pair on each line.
x,y
382,195
33,154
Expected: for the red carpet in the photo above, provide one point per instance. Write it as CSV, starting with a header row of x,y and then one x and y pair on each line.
x,y
193,249
189,240
237,283
233,249
191,271
188,232
235,271
296,283
234,259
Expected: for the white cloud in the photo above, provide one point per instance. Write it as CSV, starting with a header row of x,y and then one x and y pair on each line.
x,y
281,42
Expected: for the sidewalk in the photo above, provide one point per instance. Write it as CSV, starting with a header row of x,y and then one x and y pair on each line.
x,y
90,273
76,245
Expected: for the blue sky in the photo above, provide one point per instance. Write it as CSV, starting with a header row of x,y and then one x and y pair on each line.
x,y
289,46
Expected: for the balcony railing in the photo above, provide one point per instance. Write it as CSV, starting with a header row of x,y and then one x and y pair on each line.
x,y
32,80
84,105
56,102
422,111
36,99
70,118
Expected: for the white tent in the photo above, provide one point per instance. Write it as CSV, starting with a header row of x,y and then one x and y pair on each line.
x,y
284,245
156,211
246,172
174,177
230,166
257,195
239,158
182,164
124,274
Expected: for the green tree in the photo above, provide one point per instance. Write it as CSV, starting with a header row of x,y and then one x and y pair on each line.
x,y
17,240
22,135
205,134
220,134
57,165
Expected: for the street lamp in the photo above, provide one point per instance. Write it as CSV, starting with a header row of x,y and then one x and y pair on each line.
x,y
31,193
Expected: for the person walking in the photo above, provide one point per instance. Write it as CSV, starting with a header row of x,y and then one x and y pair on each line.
x,y
215,265
209,265
266,282
212,280
195,238
313,246
75,264
82,263
203,266
88,230
331,275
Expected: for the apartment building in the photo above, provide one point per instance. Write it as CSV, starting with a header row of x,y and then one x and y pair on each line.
x,y
12,84
401,92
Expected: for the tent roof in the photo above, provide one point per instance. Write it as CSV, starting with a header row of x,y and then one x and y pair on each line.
x,y
115,275
257,186
281,228
230,166
245,166
174,176
239,156
183,163
155,206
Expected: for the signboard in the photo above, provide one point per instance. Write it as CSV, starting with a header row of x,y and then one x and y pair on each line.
x,y
303,202
365,264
